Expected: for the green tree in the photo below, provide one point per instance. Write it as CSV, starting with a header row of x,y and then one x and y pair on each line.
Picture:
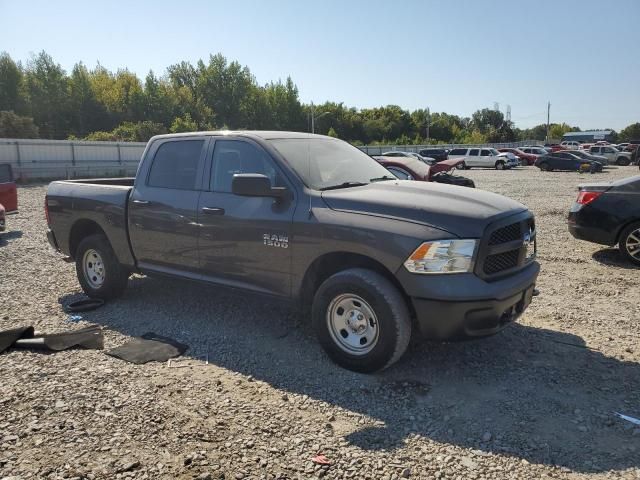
x,y
16,126
48,89
332,133
87,113
11,85
630,132
183,124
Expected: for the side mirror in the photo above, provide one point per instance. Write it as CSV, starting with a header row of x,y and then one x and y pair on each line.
x,y
255,185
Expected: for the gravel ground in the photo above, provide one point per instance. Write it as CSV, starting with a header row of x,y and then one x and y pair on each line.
x,y
535,401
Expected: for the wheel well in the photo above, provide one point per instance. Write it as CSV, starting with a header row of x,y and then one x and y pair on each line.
x,y
621,229
80,230
331,263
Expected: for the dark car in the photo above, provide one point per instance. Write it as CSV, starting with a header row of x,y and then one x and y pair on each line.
x,y
588,156
438,154
311,220
525,158
609,214
566,160
411,169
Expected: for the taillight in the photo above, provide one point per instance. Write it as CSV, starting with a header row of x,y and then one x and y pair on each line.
x,y
585,197
46,210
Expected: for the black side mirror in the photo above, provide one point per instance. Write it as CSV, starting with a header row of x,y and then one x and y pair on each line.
x,y
255,185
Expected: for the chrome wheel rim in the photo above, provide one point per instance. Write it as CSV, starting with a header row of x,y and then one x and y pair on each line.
x,y
632,244
93,268
352,324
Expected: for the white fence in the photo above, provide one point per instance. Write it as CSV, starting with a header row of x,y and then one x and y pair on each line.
x,y
55,159
50,159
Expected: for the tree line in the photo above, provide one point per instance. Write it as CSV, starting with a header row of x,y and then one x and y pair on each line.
x,y
39,99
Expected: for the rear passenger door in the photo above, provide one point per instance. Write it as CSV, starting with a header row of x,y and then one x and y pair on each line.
x,y
163,205
244,241
473,158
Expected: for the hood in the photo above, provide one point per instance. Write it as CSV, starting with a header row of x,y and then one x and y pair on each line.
x,y
462,211
444,166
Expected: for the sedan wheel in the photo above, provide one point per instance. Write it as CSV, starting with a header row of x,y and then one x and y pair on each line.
x,y
630,243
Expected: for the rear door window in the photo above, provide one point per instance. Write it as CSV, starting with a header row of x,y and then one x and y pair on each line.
x,y
474,152
175,165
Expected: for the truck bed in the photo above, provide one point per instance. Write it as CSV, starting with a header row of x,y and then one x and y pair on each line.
x,y
95,205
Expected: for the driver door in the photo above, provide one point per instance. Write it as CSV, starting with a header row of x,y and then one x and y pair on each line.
x,y
244,241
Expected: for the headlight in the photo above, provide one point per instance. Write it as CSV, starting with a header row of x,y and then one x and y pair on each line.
x,y
442,256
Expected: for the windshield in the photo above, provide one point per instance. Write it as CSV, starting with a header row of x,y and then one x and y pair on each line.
x,y
325,163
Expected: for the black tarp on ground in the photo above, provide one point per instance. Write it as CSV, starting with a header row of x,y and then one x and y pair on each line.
x,y
25,337
150,347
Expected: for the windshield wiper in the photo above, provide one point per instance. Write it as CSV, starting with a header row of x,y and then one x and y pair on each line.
x,y
344,185
382,178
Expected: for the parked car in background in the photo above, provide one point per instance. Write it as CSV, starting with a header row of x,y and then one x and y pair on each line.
x,y
525,158
566,160
8,189
512,159
412,169
587,156
312,220
399,154
533,150
622,146
481,157
569,145
609,214
438,154
614,155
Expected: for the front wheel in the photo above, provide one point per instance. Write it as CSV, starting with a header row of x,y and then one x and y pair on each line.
x,y
629,243
361,320
98,270
500,165
461,166
623,161
544,166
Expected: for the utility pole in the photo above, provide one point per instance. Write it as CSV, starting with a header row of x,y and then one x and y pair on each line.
x,y
546,140
428,122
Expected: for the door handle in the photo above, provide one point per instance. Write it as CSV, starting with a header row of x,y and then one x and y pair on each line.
x,y
213,211
141,202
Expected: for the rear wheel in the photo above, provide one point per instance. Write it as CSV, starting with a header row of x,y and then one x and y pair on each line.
x,y
544,166
361,320
98,270
623,161
629,243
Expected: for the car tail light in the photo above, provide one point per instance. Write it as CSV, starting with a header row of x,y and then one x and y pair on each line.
x,y
585,197
46,210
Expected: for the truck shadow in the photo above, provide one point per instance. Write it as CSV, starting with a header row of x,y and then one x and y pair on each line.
x,y
9,236
530,393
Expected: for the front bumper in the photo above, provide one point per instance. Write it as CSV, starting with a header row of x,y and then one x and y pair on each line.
x,y
447,306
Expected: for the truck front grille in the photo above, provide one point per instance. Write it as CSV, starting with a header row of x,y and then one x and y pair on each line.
x,y
501,261
507,247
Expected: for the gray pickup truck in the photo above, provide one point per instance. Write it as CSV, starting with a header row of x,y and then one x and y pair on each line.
x,y
310,219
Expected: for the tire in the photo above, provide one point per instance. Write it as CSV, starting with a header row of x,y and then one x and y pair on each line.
x,y
359,293
544,166
622,161
500,165
98,270
461,166
629,237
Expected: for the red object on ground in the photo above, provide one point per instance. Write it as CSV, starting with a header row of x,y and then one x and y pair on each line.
x,y
321,460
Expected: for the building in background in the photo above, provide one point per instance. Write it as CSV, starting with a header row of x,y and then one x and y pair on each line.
x,y
589,136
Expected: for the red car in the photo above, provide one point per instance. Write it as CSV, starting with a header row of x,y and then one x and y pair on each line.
x,y
410,168
525,158
3,224
8,189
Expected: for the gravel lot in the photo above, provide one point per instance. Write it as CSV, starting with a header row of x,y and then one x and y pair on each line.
x,y
535,401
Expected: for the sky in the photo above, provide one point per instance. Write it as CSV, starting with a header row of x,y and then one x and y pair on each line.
x,y
456,56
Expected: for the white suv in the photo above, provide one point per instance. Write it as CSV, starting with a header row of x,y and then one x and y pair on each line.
x,y
570,145
482,157
612,153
